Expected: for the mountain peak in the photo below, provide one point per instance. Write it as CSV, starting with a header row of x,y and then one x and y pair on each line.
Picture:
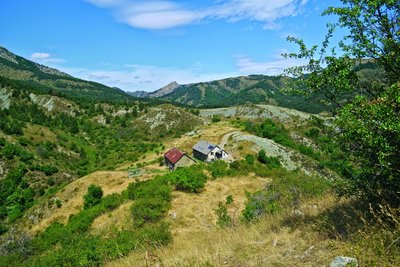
x,y
169,88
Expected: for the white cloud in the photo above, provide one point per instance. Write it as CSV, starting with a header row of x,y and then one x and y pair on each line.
x,y
146,77
40,55
168,14
45,58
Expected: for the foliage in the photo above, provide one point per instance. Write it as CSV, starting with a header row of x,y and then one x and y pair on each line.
x,y
286,190
249,159
218,168
273,162
370,132
224,219
367,125
216,118
146,210
157,187
274,131
93,196
191,179
373,31
93,250
152,199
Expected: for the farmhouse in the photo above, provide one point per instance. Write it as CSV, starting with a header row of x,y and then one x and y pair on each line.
x,y
176,158
208,152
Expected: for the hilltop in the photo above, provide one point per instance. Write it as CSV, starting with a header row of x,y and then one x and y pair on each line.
x,y
252,89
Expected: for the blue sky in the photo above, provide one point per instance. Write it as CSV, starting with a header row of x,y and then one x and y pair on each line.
x,y
143,45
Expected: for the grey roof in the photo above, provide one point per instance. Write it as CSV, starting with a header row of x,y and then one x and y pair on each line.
x,y
204,147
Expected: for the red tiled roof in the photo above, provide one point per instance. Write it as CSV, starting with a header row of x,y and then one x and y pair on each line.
x,y
173,155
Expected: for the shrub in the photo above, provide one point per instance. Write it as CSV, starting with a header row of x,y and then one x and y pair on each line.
x,y
218,168
58,203
224,220
51,181
93,196
216,118
157,187
262,157
148,210
270,161
249,159
188,179
259,204
287,189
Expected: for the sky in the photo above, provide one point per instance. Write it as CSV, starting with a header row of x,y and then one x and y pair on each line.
x,y
144,45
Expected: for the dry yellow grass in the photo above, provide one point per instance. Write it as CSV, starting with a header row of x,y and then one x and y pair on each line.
x,y
39,133
195,216
72,195
270,242
116,219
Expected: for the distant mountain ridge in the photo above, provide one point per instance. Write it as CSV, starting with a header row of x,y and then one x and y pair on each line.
x,y
163,91
252,89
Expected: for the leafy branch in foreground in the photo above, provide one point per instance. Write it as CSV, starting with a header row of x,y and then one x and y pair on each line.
x,y
367,121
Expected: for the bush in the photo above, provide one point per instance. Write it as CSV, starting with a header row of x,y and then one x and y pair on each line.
x,y
273,162
93,196
286,190
249,159
218,168
224,220
259,204
216,118
148,210
190,179
51,181
157,187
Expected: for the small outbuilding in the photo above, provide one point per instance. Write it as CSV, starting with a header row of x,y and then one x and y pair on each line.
x,y
176,158
208,152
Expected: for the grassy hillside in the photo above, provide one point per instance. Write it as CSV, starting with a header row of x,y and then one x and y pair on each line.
x,y
82,183
255,89
207,215
52,133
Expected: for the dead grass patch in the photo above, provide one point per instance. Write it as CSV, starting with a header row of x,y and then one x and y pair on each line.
x,y
72,195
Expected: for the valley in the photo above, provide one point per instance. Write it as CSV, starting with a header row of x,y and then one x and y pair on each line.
x,y
84,181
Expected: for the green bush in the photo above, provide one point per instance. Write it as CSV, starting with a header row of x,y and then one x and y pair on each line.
x,y
93,196
148,210
273,162
249,159
83,220
224,220
287,189
218,168
189,179
259,204
216,118
157,187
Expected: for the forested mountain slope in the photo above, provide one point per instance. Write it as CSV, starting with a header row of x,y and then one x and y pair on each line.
x,y
19,72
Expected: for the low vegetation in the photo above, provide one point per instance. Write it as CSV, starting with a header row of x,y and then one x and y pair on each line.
x,y
300,219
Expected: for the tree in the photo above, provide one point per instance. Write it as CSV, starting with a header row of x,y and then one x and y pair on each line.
x,y
93,196
368,110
